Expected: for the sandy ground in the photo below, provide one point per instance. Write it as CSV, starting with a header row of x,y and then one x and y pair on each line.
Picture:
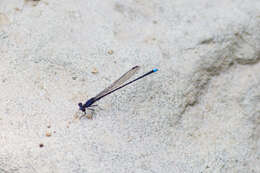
x,y
199,113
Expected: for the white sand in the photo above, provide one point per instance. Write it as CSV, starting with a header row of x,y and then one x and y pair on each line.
x,y
199,113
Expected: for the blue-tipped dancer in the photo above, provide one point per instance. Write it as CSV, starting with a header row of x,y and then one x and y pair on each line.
x,y
113,87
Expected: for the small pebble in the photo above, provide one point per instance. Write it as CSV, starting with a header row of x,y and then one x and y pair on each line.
x,y
89,116
48,134
94,71
110,52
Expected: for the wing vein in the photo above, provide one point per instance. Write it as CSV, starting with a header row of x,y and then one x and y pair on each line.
x,y
118,82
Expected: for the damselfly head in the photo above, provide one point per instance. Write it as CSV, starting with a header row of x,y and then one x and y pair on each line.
x,y
81,107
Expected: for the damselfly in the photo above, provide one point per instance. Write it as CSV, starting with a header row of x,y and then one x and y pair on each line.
x,y
118,84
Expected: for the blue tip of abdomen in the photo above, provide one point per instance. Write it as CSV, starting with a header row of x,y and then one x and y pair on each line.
x,y
155,70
